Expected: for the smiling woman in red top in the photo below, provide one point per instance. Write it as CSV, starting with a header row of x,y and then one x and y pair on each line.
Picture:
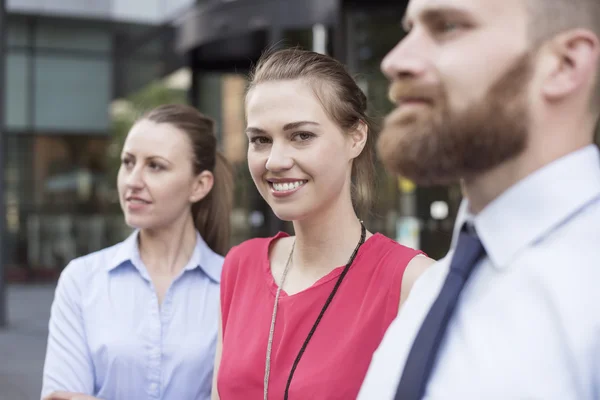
x,y
302,315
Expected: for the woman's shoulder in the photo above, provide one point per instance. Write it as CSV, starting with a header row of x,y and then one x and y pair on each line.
x,y
384,249
80,272
388,259
249,255
255,248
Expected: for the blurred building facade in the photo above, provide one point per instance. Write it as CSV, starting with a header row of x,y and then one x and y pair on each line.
x,y
66,60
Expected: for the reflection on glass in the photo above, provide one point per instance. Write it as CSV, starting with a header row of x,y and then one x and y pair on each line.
x,y
57,198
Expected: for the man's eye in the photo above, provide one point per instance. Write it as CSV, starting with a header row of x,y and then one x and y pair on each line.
x,y
447,27
450,26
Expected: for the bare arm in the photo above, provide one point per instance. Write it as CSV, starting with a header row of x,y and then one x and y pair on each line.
x,y
413,271
215,392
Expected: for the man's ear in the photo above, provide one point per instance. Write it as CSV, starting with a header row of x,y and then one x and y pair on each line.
x,y
574,63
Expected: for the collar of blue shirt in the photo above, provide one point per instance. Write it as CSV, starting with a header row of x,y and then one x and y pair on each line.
x,y
203,257
531,209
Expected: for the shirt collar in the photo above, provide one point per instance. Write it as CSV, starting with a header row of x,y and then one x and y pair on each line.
x,y
203,257
462,216
535,206
126,251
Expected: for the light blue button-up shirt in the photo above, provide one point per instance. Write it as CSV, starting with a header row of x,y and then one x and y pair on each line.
x,y
108,337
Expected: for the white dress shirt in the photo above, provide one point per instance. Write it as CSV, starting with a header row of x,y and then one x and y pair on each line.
x,y
527,325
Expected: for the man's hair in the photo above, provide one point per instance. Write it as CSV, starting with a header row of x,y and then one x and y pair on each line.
x,y
551,17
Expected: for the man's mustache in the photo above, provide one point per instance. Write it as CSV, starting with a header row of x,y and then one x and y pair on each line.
x,y
402,90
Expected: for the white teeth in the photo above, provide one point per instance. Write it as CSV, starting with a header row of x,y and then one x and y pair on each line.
x,y
282,187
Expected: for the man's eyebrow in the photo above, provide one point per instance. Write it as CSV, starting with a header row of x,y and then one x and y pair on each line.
x,y
435,13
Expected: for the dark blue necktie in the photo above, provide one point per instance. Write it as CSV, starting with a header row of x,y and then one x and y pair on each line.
x,y
427,342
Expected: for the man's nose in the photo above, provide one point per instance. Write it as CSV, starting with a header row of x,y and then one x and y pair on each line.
x,y
407,59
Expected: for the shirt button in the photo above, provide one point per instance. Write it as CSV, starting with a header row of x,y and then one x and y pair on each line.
x,y
153,387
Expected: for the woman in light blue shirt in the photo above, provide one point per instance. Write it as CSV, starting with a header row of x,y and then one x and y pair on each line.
x,y
139,320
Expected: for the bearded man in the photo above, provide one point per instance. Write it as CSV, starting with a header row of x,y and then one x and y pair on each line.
x,y
504,97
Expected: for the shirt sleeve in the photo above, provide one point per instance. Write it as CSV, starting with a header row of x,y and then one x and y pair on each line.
x,y
596,371
68,364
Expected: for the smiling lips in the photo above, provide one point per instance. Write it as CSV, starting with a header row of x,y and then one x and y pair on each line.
x,y
285,188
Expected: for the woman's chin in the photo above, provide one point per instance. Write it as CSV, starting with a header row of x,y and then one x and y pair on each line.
x,y
288,214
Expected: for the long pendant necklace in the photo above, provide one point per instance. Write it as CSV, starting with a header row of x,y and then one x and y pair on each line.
x,y
272,329
312,331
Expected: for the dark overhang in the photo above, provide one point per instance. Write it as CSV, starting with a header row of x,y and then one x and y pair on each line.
x,y
221,19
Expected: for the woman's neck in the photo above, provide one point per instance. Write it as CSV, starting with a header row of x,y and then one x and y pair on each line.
x,y
327,240
167,251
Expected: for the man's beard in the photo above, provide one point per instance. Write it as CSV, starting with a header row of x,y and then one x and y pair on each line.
x,y
435,146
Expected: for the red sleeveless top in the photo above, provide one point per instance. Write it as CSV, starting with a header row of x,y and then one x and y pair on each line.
x,y
339,353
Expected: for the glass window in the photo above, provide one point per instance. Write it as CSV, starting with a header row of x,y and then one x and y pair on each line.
x,y
233,140
210,96
54,35
18,192
71,213
17,93
139,72
137,10
17,33
151,48
72,93
57,200
69,171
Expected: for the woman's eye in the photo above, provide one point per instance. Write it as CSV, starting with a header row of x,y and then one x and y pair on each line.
x,y
260,140
303,136
155,167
